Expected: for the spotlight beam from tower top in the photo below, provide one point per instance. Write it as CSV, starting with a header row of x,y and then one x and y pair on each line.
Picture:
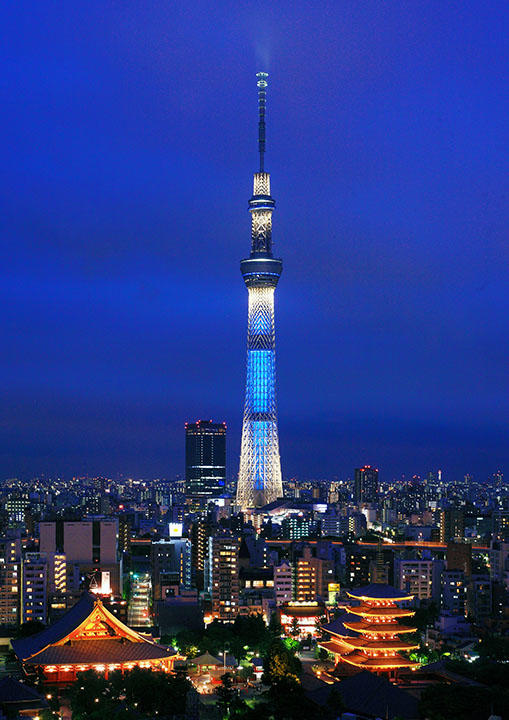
x,y
262,98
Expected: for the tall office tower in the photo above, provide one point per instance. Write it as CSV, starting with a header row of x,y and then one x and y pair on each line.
x,y
366,484
10,579
260,466
222,576
205,459
452,525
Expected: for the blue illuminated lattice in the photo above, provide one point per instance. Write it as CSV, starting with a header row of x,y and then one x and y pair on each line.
x,y
260,378
260,440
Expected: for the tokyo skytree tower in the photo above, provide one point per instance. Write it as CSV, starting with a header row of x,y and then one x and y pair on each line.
x,y
260,466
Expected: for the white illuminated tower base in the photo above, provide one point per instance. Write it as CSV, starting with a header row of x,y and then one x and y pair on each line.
x,y
260,466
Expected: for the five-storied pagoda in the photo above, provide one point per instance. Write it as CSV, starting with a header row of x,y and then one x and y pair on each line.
x,y
260,466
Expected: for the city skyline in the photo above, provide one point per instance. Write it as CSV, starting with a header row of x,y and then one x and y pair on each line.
x,y
124,190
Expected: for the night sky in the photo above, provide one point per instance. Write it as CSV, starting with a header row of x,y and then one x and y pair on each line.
x,y
129,143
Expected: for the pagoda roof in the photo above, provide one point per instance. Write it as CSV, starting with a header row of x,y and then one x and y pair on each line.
x,y
337,626
365,644
379,591
360,659
379,628
84,652
373,611
87,633
334,646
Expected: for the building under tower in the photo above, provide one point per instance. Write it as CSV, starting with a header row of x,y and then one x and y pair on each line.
x,y
260,466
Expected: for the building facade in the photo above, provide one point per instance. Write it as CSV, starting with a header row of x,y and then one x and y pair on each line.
x,y
10,580
222,576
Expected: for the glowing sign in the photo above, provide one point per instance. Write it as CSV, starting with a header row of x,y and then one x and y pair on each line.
x,y
176,530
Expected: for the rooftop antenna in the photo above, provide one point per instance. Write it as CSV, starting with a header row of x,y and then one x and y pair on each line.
x,y
262,97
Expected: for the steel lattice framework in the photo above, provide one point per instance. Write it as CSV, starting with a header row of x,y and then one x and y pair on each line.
x,y
260,466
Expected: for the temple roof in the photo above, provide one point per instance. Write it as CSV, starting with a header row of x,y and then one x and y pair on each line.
x,y
379,591
25,647
207,660
15,694
100,651
302,610
372,696
88,633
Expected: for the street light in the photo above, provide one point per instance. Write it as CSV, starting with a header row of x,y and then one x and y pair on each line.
x,y
225,649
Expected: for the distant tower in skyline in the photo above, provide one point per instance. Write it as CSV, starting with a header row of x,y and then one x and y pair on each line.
x,y
260,465
205,459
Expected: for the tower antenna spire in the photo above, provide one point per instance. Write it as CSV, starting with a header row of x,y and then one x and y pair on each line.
x,y
262,98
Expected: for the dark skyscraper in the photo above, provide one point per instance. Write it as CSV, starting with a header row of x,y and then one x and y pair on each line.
x,y
366,484
205,459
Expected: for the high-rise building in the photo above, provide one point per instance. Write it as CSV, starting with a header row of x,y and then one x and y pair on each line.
x,y
311,576
454,591
205,459
138,613
366,485
283,583
89,546
479,597
10,580
222,576
420,578
260,465
201,530
35,587
452,525
459,556
171,566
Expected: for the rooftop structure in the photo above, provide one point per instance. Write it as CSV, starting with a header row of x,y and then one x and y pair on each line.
x,y
367,635
88,637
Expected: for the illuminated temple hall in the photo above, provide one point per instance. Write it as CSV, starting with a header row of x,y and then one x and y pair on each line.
x,y
87,637
366,636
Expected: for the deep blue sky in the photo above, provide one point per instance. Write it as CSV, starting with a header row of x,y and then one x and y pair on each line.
x,y
129,139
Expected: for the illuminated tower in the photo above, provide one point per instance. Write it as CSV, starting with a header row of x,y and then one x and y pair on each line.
x,y
260,465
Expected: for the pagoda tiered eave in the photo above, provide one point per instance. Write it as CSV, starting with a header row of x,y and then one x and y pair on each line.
x,y
371,611
390,662
378,628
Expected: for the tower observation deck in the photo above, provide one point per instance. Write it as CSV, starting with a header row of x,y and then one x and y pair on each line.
x,y
260,466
